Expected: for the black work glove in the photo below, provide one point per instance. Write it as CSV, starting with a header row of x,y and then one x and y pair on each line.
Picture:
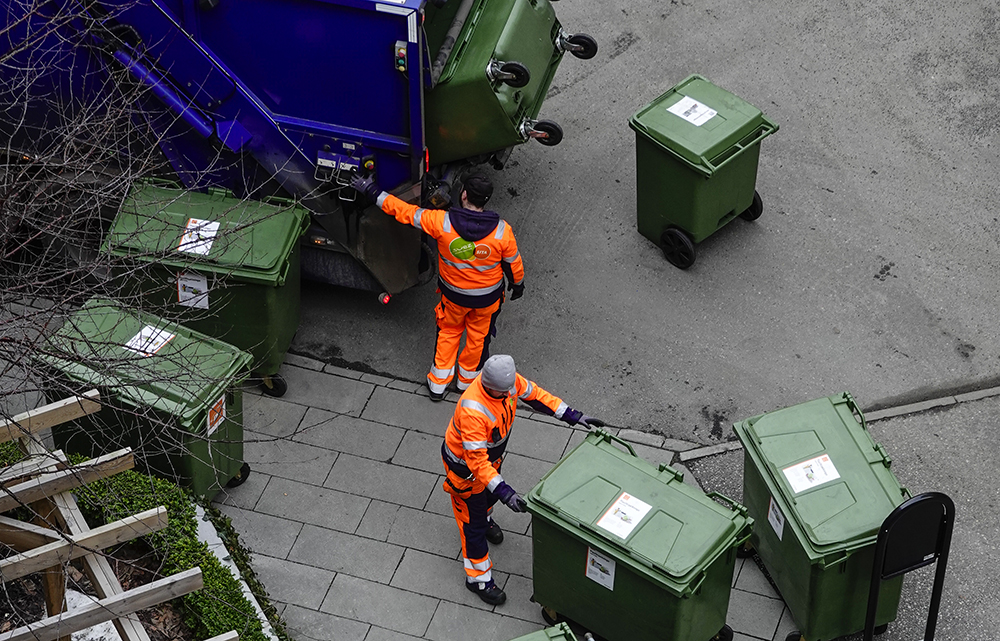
x,y
510,498
576,417
365,185
516,290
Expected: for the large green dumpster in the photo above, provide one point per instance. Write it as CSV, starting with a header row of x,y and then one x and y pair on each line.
x,y
169,393
223,266
819,488
629,551
559,632
468,111
697,149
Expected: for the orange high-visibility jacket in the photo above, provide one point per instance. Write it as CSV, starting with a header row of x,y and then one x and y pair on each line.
x,y
476,439
471,248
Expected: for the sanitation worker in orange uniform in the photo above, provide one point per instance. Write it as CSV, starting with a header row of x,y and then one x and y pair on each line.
x,y
473,451
476,248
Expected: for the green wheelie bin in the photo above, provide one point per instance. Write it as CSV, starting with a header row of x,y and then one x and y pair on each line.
x,y
224,266
628,550
490,78
819,489
171,394
558,632
697,149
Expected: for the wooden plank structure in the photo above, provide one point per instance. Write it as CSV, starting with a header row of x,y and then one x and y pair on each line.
x,y
43,481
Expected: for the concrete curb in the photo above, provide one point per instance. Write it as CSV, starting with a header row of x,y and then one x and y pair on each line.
x,y
923,406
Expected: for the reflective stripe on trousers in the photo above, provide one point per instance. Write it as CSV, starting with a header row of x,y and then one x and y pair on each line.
x,y
472,515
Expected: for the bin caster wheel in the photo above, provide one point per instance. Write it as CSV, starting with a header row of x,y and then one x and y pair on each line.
x,y
881,629
582,46
241,476
725,634
795,635
755,209
273,385
515,74
744,551
548,133
677,248
552,617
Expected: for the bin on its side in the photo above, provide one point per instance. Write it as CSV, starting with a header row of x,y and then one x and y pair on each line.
x,y
223,266
171,394
559,632
819,488
629,551
697,150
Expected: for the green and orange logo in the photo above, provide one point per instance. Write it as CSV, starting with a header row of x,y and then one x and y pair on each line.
x,y
467,250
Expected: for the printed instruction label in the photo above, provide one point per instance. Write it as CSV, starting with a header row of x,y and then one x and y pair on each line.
x,y
776,518
693,111
192,290
623,515
216,414
600,568
149,340
809,474
198,236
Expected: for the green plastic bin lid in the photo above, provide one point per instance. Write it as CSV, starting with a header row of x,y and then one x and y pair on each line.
x,y
700,122
630,509
145,361
250,240
829,472
559,632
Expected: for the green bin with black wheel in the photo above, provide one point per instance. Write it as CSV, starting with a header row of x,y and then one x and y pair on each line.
x,y
697,151
628,550
224,266
171,394
819,488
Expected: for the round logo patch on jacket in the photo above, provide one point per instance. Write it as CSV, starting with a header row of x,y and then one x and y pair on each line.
x,y
461,248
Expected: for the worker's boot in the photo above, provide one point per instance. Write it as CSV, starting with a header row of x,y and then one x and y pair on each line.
x,y
493,533
488,592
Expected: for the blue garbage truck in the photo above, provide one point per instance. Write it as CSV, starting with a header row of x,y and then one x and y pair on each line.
x,y
290,97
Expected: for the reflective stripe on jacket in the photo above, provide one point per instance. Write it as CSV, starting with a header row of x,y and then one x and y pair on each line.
x,y
477,435
470,270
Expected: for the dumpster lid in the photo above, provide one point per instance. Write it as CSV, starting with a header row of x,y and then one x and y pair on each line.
x,y
701,123
636,511
830,473
214,231
144,360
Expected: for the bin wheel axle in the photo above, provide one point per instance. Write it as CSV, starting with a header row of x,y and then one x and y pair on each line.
x,y
512,73
580,45
547,132
241,476
744,551
677,248
725,634
755,209
273,385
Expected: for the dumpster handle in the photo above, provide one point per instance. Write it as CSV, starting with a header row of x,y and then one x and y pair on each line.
x,y
733,505
851,403
746,537
697,584
611,437
765,130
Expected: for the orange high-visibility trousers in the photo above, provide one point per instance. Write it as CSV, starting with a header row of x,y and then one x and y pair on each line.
x,y
472,513
479,326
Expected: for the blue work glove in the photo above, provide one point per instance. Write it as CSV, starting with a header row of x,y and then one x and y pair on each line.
x,y
365,185
510,498
516,289
576,417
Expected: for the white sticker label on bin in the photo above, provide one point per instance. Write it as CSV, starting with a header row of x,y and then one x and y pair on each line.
x,y
623,515
192,290
198,236
216,414
149,340
600,568
809,474
776,518
693,111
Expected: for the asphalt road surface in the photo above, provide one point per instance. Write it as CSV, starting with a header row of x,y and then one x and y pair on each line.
x,y
872,269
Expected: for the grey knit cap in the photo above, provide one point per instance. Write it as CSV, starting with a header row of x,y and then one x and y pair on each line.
x,y
498,374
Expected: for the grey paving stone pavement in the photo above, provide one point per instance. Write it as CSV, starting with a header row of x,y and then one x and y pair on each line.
x,y
354,538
